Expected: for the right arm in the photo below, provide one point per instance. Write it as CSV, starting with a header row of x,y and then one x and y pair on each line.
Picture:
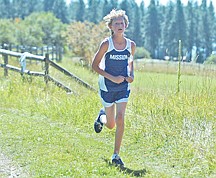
x,y
97,59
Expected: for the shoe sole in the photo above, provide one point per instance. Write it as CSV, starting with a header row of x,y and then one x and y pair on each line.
x,y
97,127
116,164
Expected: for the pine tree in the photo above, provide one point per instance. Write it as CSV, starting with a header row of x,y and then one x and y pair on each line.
x,y
80,14
142,9
5,9
190,19
20,8
142,22
106,8
166,29
155,27
178,29
73,10
152,30
35,6
128,7
212,23
48,5
137,37
93,11
114,4
60,10
197,36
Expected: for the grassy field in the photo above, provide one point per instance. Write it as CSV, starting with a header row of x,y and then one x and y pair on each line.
x,y
168,134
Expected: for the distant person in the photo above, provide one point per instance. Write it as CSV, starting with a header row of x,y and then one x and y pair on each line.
x,y
114,63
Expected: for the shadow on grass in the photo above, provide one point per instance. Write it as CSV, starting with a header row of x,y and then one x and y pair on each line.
x,y
136,173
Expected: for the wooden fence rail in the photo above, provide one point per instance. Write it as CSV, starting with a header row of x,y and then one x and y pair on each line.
x,y
55,52
22,70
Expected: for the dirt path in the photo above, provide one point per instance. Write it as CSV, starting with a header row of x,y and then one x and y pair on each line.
x,y
9,169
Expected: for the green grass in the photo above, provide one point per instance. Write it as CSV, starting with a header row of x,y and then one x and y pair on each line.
x,y
50,133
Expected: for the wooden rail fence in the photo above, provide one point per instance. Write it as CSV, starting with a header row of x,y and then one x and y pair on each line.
x,y
55,52
22,70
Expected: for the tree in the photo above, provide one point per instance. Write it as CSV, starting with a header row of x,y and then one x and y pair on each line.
x,y
137,36
94,11
205,31
191,24
5,9
152,29
166,29
129,8
35,6
197,32
178,29
20,8
73,10
48,5
7,31
212,21
106,8
84,38
114,4
60,10
51,27
142,22
80,14
29,33
157,27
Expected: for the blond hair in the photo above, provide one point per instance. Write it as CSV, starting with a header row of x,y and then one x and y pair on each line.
x,y
114,14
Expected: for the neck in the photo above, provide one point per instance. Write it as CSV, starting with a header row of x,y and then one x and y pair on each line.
x,y
118,38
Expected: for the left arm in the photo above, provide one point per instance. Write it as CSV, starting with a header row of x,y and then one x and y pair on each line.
x,y
130,78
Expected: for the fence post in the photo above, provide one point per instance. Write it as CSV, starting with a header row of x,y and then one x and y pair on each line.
x,y
46,68
5,62
53,54
42,51
60,53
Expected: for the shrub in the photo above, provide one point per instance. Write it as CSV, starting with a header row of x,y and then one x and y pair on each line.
x,y
84,38
141,52
211,59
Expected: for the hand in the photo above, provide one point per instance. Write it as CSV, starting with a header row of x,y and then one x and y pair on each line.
x,y
118,79
129,79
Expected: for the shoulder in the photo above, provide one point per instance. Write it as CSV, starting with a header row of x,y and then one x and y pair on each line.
x,y
133,46
104,44
132,43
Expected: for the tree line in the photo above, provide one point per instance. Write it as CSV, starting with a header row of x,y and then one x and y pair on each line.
x,y
158,28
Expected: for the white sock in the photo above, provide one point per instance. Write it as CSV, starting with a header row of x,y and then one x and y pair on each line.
x,y
103,119
114,155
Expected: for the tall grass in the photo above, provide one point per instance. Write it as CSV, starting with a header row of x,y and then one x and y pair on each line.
x,y
50,133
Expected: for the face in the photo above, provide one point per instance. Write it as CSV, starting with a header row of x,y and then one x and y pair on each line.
x,y
118,25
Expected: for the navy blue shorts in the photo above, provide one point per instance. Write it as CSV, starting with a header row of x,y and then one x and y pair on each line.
x,y
111,97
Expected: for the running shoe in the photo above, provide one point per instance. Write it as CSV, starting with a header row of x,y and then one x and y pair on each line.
x,y
117,161
98,125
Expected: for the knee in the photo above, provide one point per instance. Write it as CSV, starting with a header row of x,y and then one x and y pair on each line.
x,y
110,125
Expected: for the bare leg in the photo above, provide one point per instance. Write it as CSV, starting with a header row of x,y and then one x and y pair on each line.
x,y
110,115
120,113
117,120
